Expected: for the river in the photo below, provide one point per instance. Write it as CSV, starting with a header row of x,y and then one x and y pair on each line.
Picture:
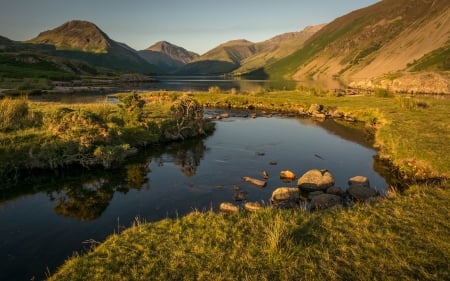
x,y
46,217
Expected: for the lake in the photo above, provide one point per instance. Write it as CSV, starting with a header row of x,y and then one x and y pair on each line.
x,y
46,217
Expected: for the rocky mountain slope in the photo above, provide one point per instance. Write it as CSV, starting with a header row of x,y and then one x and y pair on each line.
x,y
168,57
386,41
84,41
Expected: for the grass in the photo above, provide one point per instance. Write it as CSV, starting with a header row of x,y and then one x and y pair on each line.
x,y
385,241
403,236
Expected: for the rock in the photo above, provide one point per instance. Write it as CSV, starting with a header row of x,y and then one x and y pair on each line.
x,y
273,163
226,207
319,116
239,195
314,180
236,188
225,115
254,181
361,193
324,201
359,181
335,191
315,108
336,114
253,206
287,175
314,194
285,194
264,174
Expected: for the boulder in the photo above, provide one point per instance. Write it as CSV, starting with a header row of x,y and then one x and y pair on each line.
x,y
324,201
361,193
253,206
359,181
226,207
285,194
287,175
314,180
335,191
314,194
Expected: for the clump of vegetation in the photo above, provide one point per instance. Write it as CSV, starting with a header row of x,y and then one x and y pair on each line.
x,y
132,108
15,114
411,103
187,117
214,90
383,93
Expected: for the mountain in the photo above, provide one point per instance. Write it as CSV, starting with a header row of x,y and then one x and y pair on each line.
x,y
376,45
23,60
84,41
167,57
276,48
222,59
243,57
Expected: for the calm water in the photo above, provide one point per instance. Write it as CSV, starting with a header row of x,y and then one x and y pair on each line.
x,y
48,217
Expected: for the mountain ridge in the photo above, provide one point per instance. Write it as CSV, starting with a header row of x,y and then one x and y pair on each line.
x,y
167,56
85,41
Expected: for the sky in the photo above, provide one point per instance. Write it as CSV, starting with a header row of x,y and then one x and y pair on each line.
x,y
196,25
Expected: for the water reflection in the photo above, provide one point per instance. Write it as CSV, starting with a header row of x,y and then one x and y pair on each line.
x,y
88,199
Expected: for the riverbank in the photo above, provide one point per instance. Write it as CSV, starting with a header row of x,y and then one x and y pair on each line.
x,y
49,136
403,237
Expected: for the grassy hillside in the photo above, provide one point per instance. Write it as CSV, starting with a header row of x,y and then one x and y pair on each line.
x,y
220,60
386,37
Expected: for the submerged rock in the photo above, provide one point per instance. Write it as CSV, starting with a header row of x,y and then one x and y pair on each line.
x,y
315,179
259,183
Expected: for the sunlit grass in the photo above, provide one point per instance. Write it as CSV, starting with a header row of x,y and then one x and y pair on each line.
x,y
389,240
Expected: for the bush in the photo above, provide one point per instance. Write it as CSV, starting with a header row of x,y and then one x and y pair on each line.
x,y
187,119
14,114
132,108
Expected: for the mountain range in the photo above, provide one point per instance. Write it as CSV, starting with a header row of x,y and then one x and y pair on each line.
x,y
390,43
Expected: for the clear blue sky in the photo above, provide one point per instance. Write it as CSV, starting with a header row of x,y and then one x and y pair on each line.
x,y
197,25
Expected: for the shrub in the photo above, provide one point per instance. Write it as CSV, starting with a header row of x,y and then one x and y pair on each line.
x,y
214,90
187,118
132,108
14,114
